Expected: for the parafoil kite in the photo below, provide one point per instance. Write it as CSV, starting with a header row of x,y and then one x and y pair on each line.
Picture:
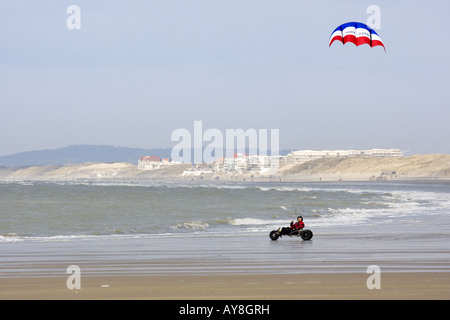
x,y
357,33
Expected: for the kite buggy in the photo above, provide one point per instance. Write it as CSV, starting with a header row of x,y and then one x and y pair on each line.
x,y
295,229
304,234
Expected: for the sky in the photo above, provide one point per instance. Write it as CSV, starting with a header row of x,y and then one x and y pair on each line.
x,y
136,71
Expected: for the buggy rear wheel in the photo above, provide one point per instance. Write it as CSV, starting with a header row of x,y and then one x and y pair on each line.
x,y
306,234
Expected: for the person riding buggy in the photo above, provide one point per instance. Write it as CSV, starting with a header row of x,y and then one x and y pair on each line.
x,y
295,229
299,225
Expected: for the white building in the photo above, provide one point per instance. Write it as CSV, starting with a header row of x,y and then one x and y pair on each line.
x,y
301,156
153,162
149,162
244,163
264,164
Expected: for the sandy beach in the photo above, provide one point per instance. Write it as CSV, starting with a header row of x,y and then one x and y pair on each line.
x,y
408,285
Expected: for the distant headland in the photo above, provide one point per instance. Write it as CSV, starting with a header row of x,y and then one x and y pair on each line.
x,y
433,167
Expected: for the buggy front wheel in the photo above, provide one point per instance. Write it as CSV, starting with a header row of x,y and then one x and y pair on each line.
x,y
274,235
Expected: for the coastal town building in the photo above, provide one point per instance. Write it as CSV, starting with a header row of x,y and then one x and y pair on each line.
x,y
301,156
153,162
263,164
241,162
197,171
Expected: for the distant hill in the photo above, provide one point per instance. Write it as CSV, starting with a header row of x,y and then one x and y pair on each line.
x,y
77,154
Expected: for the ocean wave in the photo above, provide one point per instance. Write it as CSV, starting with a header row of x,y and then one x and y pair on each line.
x,y
200,208
10,237
283,188
191,225
254,222
79,237
20,238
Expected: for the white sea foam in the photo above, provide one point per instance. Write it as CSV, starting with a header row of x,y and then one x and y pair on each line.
x,y
191,225
284,188
254,222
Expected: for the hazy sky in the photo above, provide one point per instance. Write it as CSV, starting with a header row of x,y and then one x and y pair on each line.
x,y
138,70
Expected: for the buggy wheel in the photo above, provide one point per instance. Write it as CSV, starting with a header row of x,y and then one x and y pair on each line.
x,y
274,235
306,234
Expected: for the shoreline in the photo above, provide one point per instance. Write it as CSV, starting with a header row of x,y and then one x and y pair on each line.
x,y
352,169
323,286
234,179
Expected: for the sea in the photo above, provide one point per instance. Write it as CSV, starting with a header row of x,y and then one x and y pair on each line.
x,y
198,227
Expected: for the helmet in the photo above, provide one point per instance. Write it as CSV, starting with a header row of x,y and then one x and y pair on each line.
x,y
300,217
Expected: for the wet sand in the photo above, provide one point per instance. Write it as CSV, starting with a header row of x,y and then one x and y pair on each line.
x,y
229,267
425,285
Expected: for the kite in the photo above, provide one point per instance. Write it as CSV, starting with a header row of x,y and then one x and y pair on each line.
x,y
357,33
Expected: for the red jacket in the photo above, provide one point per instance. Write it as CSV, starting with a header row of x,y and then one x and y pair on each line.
x,y
297,225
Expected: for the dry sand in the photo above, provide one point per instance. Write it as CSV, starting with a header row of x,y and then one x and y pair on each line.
x,y
425,285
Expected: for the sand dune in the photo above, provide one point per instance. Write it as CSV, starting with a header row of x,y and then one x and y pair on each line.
x,y
88,171
360,168
69,172
346,169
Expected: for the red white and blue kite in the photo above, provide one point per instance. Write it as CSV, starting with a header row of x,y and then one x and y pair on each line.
x,y
357,33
